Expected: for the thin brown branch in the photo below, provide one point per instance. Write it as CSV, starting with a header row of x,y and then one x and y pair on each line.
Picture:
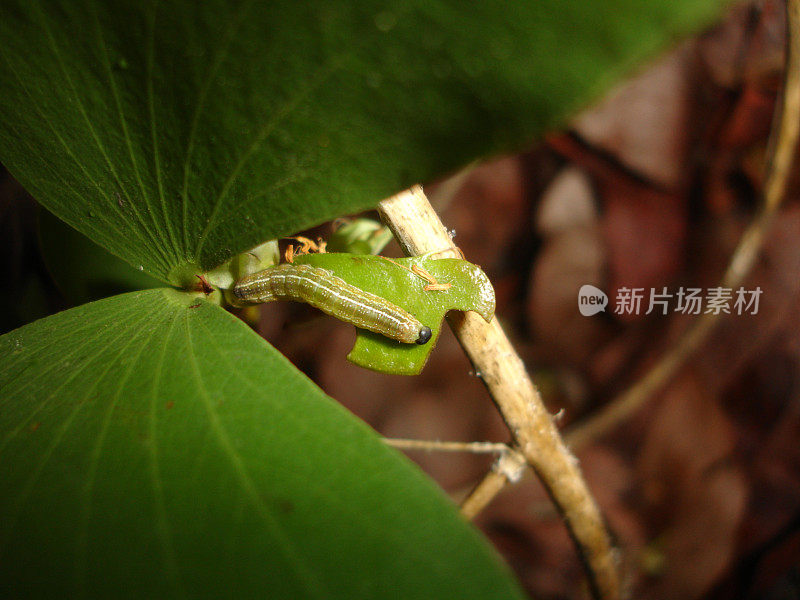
x,y
419,230
439,446
508,468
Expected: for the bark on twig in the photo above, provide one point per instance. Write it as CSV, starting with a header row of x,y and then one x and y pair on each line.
x,y
419,230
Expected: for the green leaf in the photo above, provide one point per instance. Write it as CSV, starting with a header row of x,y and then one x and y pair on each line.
x,y
394,280
179,134
152,446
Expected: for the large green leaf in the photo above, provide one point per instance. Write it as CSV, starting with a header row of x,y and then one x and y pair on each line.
x,y
152,446
177,134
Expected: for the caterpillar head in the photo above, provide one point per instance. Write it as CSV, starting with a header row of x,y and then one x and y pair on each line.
x,y
424,335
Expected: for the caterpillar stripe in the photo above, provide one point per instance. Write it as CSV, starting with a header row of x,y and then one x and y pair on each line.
x,y
323,290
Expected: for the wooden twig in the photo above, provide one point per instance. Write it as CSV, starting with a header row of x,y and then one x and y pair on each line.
x,y
439,446
419,230
508,468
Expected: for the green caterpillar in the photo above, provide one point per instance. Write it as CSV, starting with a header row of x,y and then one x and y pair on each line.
x,y
323,290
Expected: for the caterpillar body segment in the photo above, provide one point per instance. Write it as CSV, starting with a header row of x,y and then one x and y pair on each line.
x,y
323,290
